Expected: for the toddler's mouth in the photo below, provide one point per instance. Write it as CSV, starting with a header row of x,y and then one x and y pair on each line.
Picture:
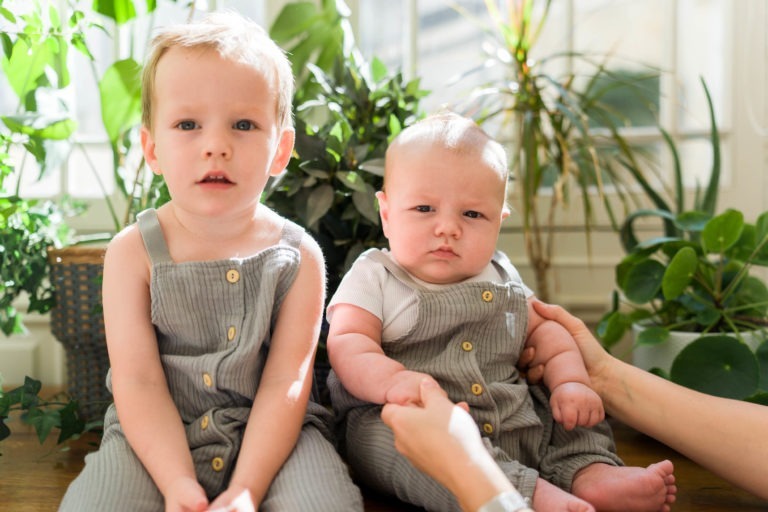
x,y
216,178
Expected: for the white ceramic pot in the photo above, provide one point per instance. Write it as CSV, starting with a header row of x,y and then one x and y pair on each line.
x,y
662,355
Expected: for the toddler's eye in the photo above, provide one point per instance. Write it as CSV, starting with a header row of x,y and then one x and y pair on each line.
x,y
472,214
187,125
423,208
244,125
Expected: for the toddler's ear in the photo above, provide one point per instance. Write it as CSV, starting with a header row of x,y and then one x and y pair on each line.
x,y
505,212
148,147
283,152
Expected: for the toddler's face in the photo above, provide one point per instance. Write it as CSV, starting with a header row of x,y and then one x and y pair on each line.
x,y
215,136
441,212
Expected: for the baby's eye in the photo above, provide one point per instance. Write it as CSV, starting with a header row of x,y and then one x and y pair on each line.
x,y
244,125
186,125
423,208
472,214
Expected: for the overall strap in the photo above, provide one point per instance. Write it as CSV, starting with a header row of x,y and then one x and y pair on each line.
x,y
292,234
152,234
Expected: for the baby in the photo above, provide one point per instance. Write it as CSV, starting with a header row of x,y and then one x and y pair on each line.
x,y
443,303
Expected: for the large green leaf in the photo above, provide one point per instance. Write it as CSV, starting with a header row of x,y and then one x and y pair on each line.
x,y
120,91
119,10
717,365
653,335
679,273
56,127
26,66
643,281
722,231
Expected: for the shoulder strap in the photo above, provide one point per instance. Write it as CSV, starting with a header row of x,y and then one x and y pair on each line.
x,y
152,234
292,234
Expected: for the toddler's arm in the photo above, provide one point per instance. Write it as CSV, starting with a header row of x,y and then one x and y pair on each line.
x,y
281,400
573,401
144,405
354,350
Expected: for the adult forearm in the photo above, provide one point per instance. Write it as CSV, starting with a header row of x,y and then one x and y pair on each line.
x,y
720,434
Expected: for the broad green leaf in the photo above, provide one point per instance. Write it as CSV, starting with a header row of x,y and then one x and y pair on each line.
x,y
26,65
722,231
365,202
679,273
43,421
57,127
119,10
319,202
643,281
717,365
352,180
611,329
653,335
120,91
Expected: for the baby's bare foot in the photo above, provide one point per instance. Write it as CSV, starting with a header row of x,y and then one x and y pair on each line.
x,y
553,499
627,489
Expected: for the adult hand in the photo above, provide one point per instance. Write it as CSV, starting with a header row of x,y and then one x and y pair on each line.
x,y
595,356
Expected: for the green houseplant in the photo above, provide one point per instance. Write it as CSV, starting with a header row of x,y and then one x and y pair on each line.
x,y
37,45
701,282
694,280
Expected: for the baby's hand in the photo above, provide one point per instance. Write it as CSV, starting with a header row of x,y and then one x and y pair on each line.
x,y
405,387
575,404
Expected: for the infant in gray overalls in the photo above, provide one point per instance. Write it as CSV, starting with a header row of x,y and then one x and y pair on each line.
x,y
468,336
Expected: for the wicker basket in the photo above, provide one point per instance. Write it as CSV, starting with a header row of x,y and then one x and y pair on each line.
x,y
77,322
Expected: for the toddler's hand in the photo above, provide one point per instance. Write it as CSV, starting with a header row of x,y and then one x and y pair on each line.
x,y
575,404
234,499
185,495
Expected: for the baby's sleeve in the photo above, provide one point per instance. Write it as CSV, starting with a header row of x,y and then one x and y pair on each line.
x,y
361,286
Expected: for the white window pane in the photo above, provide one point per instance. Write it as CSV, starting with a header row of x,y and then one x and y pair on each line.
x,y
702,27
84,164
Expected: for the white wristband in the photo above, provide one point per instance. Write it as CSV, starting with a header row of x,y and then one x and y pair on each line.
x,y
509,501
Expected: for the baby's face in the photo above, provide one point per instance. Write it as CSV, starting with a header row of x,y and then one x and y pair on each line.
x,y
441,212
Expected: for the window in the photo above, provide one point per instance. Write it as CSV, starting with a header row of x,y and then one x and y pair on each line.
x,y
433,40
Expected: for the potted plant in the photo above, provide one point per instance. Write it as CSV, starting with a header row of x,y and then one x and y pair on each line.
x,y
700,282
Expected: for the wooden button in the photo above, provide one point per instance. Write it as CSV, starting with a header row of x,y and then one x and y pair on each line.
x,y
207,380
231,333
487,296
233,276
467,346
477,389
217,463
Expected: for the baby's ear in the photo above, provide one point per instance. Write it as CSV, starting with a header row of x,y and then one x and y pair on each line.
x,y
505,211
381,196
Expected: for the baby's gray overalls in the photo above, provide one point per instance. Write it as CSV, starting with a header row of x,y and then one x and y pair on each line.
x,y
213,321
469,336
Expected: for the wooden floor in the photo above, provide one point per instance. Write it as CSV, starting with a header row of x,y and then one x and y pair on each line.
x,y
33,478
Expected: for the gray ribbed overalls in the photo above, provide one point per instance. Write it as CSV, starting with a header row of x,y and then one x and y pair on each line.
x,y
469,336
213,321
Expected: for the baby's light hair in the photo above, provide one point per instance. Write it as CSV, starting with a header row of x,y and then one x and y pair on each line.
x,y
454,133
235,38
